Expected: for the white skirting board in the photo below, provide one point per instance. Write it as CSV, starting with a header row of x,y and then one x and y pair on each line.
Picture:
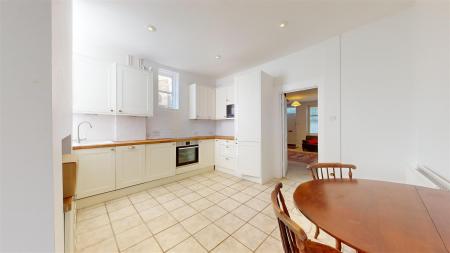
x,y
426,177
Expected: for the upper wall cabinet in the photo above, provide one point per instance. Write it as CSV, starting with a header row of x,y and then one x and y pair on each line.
x,y
134,91
105,88
224,97
202,102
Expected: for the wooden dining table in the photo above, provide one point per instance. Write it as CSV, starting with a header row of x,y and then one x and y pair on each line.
x,y
378,217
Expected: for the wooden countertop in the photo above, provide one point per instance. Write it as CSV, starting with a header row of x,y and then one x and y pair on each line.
x,y
91,145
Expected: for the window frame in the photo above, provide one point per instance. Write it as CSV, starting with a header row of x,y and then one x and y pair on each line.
x,y
309,119
175,105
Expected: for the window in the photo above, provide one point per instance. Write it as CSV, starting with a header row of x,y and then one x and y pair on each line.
x,y
291,110
313,120
167,89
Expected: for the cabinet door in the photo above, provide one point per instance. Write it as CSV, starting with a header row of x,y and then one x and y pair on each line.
x,y
92,86
206,153
230,95
249,158
160,161
202,102
221,106
130,165
134,91
211,102
248,110
96,171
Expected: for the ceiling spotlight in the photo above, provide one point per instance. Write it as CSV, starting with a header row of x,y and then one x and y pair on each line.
x,y
296,103
283,24
151,28
218,57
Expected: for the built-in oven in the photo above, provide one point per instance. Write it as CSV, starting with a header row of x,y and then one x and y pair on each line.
x,y
187,153
230,111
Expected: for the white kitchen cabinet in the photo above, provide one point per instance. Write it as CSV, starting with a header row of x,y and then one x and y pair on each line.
x,y
224,97
202,102
93,91
255,106
229,100
206,153
160,161
134,91
96,171
130,165
225,155
101,87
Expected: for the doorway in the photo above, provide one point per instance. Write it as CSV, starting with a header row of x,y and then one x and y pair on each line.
x,y
302,131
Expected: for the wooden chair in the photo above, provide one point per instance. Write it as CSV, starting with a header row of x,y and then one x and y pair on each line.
x,y
331,171
293,237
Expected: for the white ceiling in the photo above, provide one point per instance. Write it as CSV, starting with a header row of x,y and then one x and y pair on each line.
x,y
190,33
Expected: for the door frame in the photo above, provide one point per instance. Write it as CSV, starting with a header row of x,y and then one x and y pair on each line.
x,y
284,152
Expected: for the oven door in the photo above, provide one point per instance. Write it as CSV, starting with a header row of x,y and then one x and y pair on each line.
x,y
187,155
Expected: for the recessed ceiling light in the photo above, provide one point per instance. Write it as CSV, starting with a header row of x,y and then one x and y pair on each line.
x,y
283,24
151,28
218,57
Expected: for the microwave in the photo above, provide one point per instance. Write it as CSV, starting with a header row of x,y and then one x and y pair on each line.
x,y
230,111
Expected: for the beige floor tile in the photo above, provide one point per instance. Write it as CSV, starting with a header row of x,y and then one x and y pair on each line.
x,y
210,236
183,213
228,191
117,204
139,197
270,245
91,212
147,246
264,223
201,204
127,223
188,246
173,204
228,182
231,245
146,205
122,213
229,204
160,223
132,237
152,213
195,223
191,197
241,197
257,204
166,198
250,236
208,183
158,191
195,187
218,186
276,234
269,211
244,212
187,182
171,236
182,192
173,187
238,186
214,212
93,237
91,224
205,191
229,223
216,197
251,191
260,187
265,196
108,245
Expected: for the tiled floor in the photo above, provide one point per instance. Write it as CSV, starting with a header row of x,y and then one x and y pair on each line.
x,y
212,212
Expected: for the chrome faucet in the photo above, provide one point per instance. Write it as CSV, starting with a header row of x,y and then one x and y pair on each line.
x,y
78,133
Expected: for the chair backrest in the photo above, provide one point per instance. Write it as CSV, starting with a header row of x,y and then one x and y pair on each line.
x,y
331,170
293,237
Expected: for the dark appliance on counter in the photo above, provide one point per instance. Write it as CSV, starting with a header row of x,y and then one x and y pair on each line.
x,y
230,111
187,153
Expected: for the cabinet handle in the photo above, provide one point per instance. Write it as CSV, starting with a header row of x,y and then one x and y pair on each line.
x,y
111,110
120,110
113,149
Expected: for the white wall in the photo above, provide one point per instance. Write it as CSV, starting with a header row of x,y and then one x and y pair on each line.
x,y
375,114
27,220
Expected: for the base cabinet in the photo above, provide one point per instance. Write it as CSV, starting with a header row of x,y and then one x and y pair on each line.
x,y
225,155
249,158
97,171
160,161
130,165
206,155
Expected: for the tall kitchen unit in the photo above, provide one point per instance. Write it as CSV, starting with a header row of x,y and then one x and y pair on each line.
x,y
255,125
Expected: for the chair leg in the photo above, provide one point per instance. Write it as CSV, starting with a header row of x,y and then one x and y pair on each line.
x,y
317,232
338,244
